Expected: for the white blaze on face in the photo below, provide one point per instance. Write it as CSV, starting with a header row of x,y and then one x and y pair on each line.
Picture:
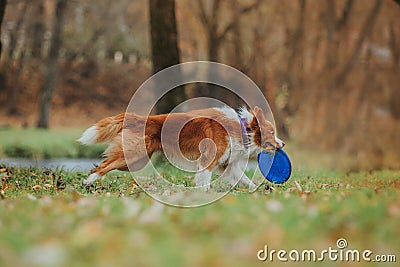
x,y
279,142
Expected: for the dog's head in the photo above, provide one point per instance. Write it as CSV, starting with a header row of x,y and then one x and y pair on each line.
x,y
264,132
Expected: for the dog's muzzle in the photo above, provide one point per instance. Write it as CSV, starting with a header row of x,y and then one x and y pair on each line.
x,y
268,146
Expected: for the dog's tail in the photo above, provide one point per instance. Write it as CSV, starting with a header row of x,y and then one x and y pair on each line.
x,y
103,131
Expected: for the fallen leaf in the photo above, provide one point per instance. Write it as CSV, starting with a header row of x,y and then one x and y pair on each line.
x,y
37,187
395,184
298,186
47,186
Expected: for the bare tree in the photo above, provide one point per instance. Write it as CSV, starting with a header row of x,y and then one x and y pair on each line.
x,y
366,30
15,58
296,49
395,51
38,30
50,80
210,21
164,47
335,25
3,4
17,32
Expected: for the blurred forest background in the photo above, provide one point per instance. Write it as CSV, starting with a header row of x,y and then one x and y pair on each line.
x,y
330,69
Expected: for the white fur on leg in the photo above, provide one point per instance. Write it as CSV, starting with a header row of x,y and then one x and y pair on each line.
x,y
89,137
232,174
91,179
235,174
203,179
247,182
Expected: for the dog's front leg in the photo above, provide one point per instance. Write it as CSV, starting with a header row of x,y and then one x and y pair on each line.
x,y
234,174
247,182
203,179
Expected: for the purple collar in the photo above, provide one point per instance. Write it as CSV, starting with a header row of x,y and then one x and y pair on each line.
x,y
245,136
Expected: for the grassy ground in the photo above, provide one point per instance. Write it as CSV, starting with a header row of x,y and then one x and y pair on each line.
x,y
48,219
39,144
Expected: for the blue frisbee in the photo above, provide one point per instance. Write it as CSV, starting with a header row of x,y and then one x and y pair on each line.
x,y
276,168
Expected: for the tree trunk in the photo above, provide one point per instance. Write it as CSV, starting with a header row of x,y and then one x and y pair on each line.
x,y
367,28
164,47
210,18
331,50
294,67
50,80
14,88
12,47
15,61
213,47
296,40
3,4
38,31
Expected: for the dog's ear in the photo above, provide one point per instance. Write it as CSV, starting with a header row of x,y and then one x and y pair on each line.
x,y
258,113
256,118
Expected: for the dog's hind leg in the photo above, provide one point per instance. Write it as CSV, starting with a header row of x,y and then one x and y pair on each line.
x,y
91,179
106,166
135,159
115,163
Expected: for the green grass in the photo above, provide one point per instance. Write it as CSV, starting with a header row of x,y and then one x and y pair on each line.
x,y
44,144
48,219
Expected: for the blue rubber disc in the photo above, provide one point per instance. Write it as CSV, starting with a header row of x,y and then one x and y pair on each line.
x,y
276,168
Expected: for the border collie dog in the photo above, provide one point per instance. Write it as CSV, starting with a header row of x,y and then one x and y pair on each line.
x,y
231,137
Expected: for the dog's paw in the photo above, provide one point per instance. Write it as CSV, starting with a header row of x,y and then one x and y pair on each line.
x,y
203,185
252,187
205,188
91,179
203,180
